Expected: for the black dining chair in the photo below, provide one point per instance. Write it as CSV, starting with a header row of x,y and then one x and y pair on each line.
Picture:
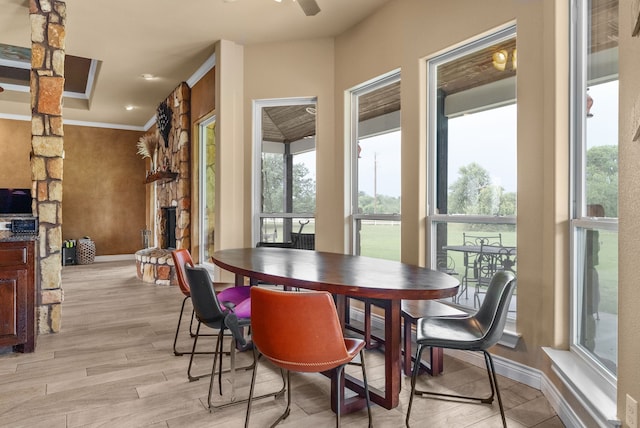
x,y
210,312
222,317
226,292
477,332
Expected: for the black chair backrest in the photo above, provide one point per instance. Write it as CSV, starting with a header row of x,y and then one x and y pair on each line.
x,y
492,314
203,296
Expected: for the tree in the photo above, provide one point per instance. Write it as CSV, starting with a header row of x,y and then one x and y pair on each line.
x,y
602,178
304,190
303,186
474,194
272,183
381,204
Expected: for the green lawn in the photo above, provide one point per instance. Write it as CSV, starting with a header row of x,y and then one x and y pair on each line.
x,y
382,240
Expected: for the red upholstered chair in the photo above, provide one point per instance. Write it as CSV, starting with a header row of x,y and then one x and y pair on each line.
x,y
300,331
226,292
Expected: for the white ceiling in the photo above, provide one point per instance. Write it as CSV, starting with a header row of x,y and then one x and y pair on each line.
x,y
170,39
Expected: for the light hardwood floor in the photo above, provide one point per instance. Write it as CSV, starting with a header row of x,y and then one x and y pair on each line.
x,y
112,366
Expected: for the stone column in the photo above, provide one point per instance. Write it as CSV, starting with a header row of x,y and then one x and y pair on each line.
x,y
47,144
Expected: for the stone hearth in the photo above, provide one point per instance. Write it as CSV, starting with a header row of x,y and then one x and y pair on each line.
x,y
155,266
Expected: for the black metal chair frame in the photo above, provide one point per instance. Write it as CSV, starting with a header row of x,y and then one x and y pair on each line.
x,y
484,330
208,312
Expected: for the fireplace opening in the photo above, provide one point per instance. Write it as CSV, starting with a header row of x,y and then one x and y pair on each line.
x,y
168,228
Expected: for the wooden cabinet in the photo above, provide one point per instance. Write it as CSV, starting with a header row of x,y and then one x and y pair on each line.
x,y
17,295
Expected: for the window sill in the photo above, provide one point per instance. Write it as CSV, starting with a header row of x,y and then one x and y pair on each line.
x,y
595,393
510,337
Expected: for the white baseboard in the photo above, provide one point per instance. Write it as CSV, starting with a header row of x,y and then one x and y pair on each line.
x,y
115,258
509,369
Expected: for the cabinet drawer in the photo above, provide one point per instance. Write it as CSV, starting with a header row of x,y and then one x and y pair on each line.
x,y
15,256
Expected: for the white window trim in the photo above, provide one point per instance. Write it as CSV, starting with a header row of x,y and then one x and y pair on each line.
x,y
352,107
594,387
256,188
594,391
202,182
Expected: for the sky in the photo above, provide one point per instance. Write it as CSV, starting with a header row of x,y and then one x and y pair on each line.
x,y
489,139
379,164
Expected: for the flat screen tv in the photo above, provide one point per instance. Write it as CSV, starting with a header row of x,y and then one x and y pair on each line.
x,y
15,201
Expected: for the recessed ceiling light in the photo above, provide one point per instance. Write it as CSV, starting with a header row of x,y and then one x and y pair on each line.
x,y
129,107
148,76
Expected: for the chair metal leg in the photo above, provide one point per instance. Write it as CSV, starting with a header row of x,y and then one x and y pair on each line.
x,y
287,411
493,382
193,317
366,388
175,339
414,377
249,400
233,399
193,352
338,375
218,351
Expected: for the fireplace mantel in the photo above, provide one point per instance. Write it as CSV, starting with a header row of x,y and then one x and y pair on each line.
x,y
162,176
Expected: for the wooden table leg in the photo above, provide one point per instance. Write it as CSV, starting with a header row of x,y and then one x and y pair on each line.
x,y
390,397
392,360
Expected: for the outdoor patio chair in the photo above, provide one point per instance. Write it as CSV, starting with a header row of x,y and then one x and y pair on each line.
x,y
470,258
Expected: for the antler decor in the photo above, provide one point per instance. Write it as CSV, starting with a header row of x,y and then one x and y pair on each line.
x,y
163,121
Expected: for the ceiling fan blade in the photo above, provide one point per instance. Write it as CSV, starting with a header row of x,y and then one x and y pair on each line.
x,y
309,7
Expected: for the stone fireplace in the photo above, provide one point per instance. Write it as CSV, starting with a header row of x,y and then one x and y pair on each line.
x,y
171,175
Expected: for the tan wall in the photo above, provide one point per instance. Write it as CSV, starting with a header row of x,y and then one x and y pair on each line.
x,y
15,146
299,69
629,211
104,193
103,190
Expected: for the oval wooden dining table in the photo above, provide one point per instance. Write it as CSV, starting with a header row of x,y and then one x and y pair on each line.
x,y
346,275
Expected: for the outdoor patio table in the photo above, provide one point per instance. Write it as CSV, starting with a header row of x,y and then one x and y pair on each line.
x,y
347,275
508,252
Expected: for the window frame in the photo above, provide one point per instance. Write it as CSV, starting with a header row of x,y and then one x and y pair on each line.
x,y
579,60
202,183
434,218
354,95
256,169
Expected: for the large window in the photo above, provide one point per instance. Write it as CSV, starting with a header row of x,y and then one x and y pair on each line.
x,y
375,148
595,185
285,172
472,168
